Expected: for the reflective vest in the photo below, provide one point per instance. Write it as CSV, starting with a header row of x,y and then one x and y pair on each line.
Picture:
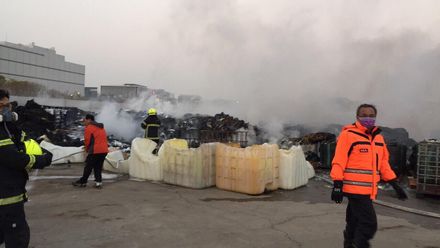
x,y
361,160
32,147
12,180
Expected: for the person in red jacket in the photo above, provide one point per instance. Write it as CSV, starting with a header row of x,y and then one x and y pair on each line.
x,y
95,144
360,162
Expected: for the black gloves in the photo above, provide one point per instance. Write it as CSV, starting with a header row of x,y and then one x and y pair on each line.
x,y
337,194
44,160
400,192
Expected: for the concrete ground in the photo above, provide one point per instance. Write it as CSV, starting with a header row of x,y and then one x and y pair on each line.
x,y
129,213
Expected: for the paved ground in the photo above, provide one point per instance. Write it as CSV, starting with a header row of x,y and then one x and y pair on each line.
x,y
128,213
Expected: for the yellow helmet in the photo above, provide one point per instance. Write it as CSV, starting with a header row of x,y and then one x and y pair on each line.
x,y
152,111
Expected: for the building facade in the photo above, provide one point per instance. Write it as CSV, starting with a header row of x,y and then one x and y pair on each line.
x,y
122,91
91,92
42,66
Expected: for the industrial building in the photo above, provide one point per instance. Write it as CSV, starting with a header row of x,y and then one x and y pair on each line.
x,y
42,66
91,92
127,91
122,91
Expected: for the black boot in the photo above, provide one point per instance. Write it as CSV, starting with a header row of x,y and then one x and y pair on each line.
x,y
79,184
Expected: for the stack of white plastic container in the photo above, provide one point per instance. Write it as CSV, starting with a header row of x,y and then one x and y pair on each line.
x,y
250,170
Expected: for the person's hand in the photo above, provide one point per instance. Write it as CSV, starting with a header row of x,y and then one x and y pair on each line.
x,y
42,161
337,194
48,156
401,194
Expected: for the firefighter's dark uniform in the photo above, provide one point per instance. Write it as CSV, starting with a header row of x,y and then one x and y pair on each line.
x,y
14,167
151,125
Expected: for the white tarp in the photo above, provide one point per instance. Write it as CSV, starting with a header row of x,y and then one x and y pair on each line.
x,y
65,154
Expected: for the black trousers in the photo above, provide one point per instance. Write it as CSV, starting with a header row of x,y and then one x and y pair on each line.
x,y
157,147
14,230
94,162
361,221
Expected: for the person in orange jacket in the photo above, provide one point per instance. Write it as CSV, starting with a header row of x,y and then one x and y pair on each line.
x,y
360,162
95,141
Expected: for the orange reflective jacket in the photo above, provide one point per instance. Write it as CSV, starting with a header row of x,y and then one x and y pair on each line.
x,y
361,160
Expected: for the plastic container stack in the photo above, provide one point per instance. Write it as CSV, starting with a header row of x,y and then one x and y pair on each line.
x,y
295,171
188,167
142,163
250,170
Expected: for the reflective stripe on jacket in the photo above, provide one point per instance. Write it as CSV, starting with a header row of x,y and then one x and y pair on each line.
x,y
151,125
13,199
150,131
361,160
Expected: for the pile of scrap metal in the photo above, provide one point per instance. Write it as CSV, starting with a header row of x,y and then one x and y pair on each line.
x,y
315,138
317,146
120,145
40,123
224,128
198,129
310,139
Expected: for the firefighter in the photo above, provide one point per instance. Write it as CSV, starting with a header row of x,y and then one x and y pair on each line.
x,y
14,168
151,124
96,146
360,162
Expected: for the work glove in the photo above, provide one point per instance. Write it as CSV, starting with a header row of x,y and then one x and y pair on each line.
x,y
44,160
400,192
49,156
337,194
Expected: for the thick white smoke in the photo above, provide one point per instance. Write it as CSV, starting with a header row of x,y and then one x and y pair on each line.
x,y
117,122
305,62
310,62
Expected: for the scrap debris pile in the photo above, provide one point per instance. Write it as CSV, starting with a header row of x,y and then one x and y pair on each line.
x,y
308,139
316,146
198,129
57,125
62,126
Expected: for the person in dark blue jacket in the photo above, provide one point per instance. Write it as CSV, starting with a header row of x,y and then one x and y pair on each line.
x,y
14,168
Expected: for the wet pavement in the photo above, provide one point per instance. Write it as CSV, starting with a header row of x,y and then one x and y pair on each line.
x,y
128,213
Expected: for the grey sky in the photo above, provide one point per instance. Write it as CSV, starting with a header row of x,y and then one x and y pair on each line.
x,y
285,57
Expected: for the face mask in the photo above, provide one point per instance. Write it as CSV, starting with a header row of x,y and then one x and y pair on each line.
x,y
8,116
367,122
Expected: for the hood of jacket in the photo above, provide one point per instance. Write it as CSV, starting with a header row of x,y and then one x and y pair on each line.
x,y
97,124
